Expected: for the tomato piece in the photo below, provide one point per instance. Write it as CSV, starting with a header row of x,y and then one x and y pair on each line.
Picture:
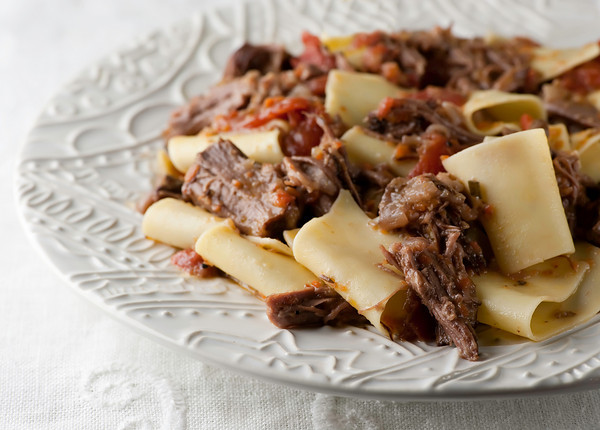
x,y
526,121
281,198
315,53
302,137
435,146
384,107
298,112
276,108
191,262
582,79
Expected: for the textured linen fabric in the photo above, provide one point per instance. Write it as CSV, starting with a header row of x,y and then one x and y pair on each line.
x,y
66,365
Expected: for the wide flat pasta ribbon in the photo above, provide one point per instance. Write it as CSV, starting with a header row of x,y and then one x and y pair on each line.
x,y
261,146
343,248
545,299
488,112
526,221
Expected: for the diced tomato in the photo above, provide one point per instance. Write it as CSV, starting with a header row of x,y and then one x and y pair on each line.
x,y
384,107
298,112
304,132
315,53
281,198
584,78
302,137
402,151
191,262
276,108
226,122
526,121
430,155
440,94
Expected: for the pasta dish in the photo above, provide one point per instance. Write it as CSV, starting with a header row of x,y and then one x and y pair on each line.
x,y
417,182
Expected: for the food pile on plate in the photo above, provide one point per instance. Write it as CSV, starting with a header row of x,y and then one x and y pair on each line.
x,y
417,182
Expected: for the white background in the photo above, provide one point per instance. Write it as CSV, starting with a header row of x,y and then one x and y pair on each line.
x,y
64,364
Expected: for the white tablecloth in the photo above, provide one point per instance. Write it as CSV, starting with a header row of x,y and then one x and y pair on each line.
x,y
66,365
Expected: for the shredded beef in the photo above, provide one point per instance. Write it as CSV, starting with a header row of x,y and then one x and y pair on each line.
x,y
441,287
407,117
312,306
588,217
264,58
434,207
225,182
571,108
571,184
242,94
318,178
434,212
580,197
281,84
371,182
319,185
167,186
414,322
421,58
218,100
378,176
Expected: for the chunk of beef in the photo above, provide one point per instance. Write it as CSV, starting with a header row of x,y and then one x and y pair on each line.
x,y
225,182
397,118
434,207
318,185
263,58
371,182
319,178
444,288
502,65
580,197
566,106
571,184
378,176
167,186
434,213
221,99
310,307
588,216
413,322
417,202
246,93
437,57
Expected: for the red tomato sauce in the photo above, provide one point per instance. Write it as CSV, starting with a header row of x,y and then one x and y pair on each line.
x,y
435,146
582,79
191,262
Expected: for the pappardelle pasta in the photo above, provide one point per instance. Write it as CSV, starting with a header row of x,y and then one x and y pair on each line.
x,y
417,182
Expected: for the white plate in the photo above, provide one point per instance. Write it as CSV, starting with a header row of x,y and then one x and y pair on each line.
x,y
89,158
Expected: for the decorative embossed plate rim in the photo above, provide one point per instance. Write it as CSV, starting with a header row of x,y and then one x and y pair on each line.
x,y
89,158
